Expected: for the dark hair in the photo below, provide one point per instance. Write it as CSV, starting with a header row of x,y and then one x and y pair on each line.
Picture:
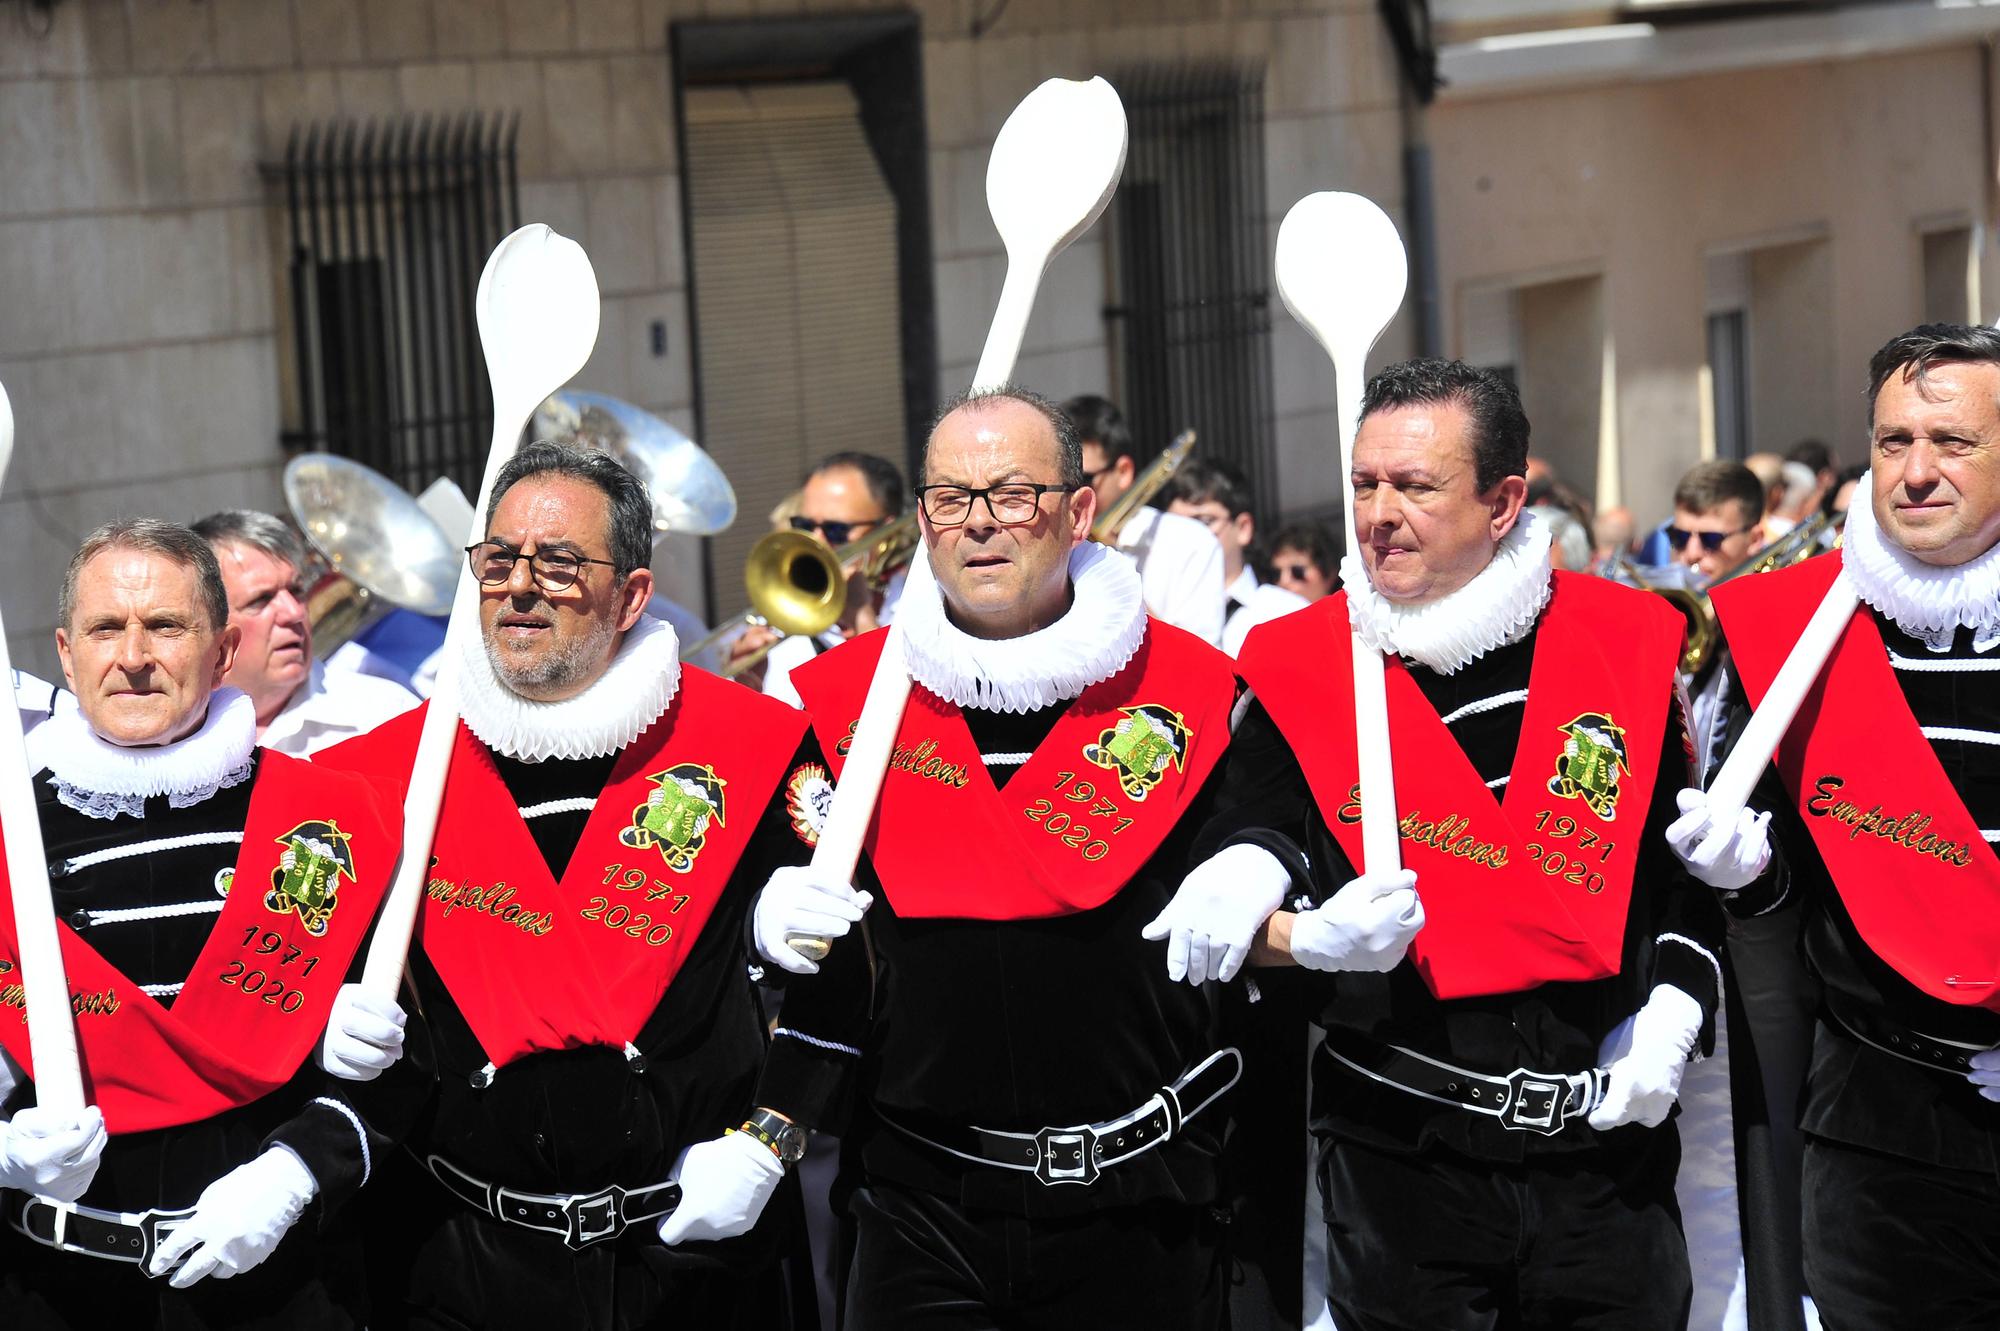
x,y
1320,542
1709,485
1204,481
260,531
1927,345
1098,421
1812,453
1499,425
1069,448
1854,471
625,494
154,537
881,476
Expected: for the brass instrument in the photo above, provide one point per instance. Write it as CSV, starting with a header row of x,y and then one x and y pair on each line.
x,y
690,494
1144,487
1794,547
371,548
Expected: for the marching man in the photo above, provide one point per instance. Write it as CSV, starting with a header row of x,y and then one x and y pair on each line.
x,y
1885,804
210,896
1036,1132
585,1036
1508,1016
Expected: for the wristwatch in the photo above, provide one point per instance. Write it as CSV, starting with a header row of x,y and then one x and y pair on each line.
x,y
786,1140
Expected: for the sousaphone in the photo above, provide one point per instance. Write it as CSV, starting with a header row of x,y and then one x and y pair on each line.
x,y
691,496
373,549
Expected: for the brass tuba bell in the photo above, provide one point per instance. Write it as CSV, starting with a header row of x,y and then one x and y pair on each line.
x,y
372,548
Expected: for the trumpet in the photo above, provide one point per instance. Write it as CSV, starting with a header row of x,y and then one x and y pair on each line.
x,y
1141,492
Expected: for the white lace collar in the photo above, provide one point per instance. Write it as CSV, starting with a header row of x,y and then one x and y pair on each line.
x,y
635,690
1497,607
1924,601
1095,638
103,780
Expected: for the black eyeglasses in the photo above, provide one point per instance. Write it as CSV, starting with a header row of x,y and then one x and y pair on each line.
x,y
1711,541
1012,505
836,533
553,570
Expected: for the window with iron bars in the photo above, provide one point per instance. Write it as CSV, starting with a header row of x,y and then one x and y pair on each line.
x,y
1191,310
388,227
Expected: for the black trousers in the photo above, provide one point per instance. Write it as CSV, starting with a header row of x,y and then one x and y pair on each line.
x,y
1892,1242
308,1284
923,1263
1438,1242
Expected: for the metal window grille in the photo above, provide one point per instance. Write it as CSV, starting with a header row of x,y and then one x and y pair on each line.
x,y
1191,311
389,226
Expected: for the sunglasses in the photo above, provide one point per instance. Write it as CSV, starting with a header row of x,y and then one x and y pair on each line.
x,y
1298,572
1711,541
836,533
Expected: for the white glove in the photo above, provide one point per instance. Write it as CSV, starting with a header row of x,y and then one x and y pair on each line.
x,y
238,1221
724,1186
802,901
1366,926
1645,1056
1985,1073
364,1035
51,1155
1728,857
1217,911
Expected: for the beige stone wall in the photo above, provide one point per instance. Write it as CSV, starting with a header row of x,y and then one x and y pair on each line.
x,y
1640,182
138,266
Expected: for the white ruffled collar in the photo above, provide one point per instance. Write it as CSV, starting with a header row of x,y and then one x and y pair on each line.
x,y
1923,600
1497,607
103,780
635,690
1095,638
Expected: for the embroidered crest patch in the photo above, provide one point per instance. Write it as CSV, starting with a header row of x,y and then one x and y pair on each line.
x,y
307,880
808,797
675,817
1147,740
1592,760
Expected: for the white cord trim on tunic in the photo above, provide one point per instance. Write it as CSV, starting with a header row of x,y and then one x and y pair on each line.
x,y
1004,759
1095,638
100,779
1499,606
577,804
1943,664
1499,781
816,1042
1925,602
133,914
367,1162
1492,704
634,691
110,853
1709,956
1960,734
162,990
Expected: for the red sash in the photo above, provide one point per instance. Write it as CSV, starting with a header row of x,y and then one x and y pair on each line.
x,y
1518,891
535,963
253,1007
1076,822
1916,876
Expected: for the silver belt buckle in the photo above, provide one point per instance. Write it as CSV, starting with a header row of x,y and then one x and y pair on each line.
x,y
593,1217
1066,1156
1544,1115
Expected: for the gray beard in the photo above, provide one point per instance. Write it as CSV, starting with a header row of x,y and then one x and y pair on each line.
x,y
557,670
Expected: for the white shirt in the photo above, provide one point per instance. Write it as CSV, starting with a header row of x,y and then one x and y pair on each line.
x,y
331,707
1258,603
37,700
1180,569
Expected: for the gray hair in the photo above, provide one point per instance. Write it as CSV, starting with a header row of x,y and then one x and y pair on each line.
x,y
631,506
1069,445
152,536
260,531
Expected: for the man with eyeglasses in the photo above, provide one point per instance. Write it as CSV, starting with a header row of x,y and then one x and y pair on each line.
x,y
1180,561
300,708
1874,831
1507,1014
1034,1133
584,1036
846,497
1217,496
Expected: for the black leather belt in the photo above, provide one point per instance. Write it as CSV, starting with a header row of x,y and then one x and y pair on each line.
x,y
117,1236
1077,1154
1523,1101
1892,1037
580,1218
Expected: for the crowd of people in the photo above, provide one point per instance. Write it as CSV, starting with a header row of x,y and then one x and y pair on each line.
x,y
1046,1038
